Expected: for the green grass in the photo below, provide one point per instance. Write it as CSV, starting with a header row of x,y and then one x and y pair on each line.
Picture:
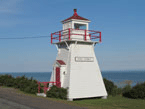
x,y
115,102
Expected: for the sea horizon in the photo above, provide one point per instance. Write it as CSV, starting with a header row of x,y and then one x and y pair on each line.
x,y
104,71
118,77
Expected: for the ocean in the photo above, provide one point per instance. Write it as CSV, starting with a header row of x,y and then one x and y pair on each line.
x,y
120,78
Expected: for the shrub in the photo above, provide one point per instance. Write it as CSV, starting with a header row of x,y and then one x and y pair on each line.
x,y
10,82
22,83
56,92
126,89
116,91
27,89
138,91
34,87
110,86
6,80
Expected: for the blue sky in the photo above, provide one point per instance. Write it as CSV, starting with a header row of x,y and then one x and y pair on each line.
x,y
122,23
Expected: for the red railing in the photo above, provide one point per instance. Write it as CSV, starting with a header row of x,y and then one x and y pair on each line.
x,y
45,88
68,33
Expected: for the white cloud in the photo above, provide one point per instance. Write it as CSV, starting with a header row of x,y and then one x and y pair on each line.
x,y
9,6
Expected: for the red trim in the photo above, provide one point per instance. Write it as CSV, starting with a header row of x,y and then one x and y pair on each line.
x,y
60,35
75,16
61,62
100,37
57,77
85,35
45,88
75,12
51,38
69,33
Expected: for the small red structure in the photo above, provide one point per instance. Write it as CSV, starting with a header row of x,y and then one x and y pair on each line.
x,y
45,88
68,33
57,82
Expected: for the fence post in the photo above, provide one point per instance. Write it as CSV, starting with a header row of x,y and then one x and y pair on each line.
x,y
59,36
38,87
85,35
100,37
90,36
69,33
51,38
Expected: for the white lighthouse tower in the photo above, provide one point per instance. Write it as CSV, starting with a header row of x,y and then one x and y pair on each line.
x,y
76,67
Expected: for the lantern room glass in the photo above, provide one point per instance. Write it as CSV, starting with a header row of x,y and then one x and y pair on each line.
x,y
80,26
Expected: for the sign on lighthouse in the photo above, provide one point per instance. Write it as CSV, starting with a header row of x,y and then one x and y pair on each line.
x,y
76,67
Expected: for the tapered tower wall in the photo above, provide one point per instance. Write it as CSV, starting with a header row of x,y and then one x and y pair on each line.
x,y
85,77
82,75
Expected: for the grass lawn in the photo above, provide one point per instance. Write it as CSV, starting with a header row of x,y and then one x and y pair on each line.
x,y
116,102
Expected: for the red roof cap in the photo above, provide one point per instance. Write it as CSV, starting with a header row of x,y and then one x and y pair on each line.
x,y
61,62
75,16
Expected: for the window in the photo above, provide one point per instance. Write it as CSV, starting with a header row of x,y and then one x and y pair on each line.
x,y
80,26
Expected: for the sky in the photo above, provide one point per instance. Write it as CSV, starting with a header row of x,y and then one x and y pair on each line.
x,y
122,23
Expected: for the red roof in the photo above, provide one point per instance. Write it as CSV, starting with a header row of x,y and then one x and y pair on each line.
x,y
61,62
75,16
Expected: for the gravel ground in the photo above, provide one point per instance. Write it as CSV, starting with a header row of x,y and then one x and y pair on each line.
x,y
5,104
10,99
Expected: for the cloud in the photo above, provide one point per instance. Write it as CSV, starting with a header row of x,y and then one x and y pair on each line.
x,y
9,6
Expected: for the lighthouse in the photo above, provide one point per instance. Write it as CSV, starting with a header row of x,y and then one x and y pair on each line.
x,y
76,67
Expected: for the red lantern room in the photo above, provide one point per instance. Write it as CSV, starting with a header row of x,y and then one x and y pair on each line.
x,y
76,28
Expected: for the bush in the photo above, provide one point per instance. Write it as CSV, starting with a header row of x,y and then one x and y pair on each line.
x,y
56,92
110,86
127,88
34,87
116,91
27,89
138,91
7,80
22,83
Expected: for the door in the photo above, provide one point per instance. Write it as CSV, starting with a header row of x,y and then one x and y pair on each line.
x,y
58,84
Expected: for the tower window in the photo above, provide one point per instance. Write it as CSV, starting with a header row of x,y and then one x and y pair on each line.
x,y
79,26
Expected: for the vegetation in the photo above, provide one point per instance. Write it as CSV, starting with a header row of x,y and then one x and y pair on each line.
x,y
22,83
112,102
137,92
31,86
127,88
111,88
56,92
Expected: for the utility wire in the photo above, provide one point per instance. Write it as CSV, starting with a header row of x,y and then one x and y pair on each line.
x,y
24,37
